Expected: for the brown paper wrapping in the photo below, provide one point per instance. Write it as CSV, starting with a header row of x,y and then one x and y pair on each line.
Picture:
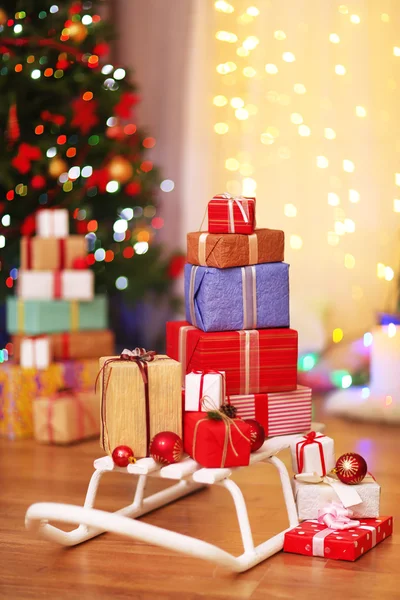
x,y
45,252
74,344
224,250
124,410
65,418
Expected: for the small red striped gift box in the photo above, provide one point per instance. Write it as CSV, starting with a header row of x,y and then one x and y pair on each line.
x,y
279,413
230,214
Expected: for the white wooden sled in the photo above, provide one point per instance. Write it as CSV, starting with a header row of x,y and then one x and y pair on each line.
x,y
189,477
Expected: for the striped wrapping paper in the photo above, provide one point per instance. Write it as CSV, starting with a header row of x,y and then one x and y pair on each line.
x,y
225,219
254,361
279,413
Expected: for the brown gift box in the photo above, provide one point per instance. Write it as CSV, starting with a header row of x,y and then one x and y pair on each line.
x,y
74,344
224,250
131,417
66,417
51,254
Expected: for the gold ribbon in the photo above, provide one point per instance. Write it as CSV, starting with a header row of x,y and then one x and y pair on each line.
x,y
210,406
20,316
253,249
74,315
202,249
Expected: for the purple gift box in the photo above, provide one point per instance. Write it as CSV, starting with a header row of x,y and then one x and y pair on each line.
x,y
253,297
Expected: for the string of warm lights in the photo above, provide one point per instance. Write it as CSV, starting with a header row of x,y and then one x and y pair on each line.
x,y
242,52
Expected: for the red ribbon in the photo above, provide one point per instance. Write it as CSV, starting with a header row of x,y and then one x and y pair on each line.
x,y
29,253
81,411
310,438
141,357
65,347
61,253
57,285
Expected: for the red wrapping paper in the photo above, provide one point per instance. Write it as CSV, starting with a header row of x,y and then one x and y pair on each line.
x,y
268,365
279,413
219,218
338,545
205,440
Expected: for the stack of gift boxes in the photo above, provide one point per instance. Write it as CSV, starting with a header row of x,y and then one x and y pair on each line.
x,y
229,377
238,354
237,311
338,502
59,329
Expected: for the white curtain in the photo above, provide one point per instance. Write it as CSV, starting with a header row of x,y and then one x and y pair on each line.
x,y
313,132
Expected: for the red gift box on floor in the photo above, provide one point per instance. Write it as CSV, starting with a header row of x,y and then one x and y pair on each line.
x,y
216,444
254,361
314,539
229,214
279,413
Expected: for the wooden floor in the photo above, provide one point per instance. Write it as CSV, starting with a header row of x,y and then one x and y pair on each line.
x,y
112,567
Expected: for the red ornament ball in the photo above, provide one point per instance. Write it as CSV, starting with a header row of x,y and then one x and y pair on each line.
x,y
257,434
123,456
166,448
80,263
38,182
351,468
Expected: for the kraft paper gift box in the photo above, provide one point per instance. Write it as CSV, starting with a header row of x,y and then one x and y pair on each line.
x,y
35,317
314,539
312,497
225,250
253,361
45,285
279,413
51,253
138,401
253,297
19,387
35,352
216,444
202,384
76,344
52,222
227,214
313,453
66,417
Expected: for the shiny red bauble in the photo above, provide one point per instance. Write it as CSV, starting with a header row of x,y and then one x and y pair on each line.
x,y
257,434
123,456
166,448
80,262
351,468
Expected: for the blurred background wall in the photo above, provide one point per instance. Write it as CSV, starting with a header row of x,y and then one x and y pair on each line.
x,y
297,103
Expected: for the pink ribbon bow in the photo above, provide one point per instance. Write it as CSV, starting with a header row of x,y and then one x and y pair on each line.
x,y
335,516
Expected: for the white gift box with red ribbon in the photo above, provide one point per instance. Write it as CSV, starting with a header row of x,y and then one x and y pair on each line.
x,y
49,285
204,384
35,352
313,453
52,222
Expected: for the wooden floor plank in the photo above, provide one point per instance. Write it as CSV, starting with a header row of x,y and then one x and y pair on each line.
x,y
113,567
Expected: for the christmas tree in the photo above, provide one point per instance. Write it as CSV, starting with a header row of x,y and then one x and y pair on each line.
x,y
70,140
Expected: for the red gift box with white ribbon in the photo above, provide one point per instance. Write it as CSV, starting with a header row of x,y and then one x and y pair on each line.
x,y
280,413
254,361
230,214
315,539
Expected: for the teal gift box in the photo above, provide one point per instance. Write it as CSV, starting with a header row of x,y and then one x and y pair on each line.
x,y
34,317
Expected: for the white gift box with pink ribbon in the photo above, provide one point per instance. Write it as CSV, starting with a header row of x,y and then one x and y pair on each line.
x,y
47,285
35,353
52,222
204,384
313,453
